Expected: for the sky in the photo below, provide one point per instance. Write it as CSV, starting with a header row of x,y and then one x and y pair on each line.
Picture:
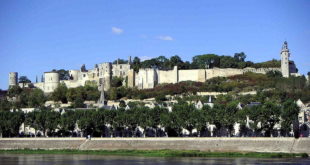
x,y
37,36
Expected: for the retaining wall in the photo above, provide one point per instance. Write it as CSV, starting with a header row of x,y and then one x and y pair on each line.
x,y
286,145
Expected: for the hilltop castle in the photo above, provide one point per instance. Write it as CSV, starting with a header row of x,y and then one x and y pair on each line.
x,y
147,78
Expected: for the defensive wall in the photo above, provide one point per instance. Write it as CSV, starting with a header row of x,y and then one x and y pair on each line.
x,y
285,145
148,77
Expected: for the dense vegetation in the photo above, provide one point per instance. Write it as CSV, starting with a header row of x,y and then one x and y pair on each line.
x,y
282,88
161,153
34,97
204,61
184,115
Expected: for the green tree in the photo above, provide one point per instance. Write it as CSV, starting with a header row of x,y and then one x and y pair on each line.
x,y
120,61
5,105
186,114
45,120
99,121
117,81
91,92
274,74
175,61
63,74
172,121
155,114
24,80
230,116
14,91
110,120
269,117
36,98
86,122
240,56
10,123
206,61
68,121
60,93
144,118
136,64
289,114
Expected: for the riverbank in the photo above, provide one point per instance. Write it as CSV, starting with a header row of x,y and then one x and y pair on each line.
x,y
214,145
160,153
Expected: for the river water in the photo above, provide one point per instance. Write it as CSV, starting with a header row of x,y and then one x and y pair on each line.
x,y
20,159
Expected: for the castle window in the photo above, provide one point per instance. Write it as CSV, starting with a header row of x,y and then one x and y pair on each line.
x,y
84,75
121,66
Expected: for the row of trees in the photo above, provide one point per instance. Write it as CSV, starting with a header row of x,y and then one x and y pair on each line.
x,y
204,61
157,121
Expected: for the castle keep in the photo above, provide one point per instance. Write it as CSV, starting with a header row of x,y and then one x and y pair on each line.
x,y
147,78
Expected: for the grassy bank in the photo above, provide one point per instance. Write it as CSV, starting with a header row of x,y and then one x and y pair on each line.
x,y
159,153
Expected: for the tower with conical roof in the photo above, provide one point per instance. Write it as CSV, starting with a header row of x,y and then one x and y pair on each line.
x,y
285,54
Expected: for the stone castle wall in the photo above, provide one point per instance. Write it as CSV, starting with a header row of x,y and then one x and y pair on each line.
x,y
148,78
189,75
285,145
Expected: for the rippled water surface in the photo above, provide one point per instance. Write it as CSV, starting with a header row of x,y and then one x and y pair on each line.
x,y
20,159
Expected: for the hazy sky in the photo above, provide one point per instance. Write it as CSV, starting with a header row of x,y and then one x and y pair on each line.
x,y
38,36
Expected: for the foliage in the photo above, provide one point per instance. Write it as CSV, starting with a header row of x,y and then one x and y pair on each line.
x,y
117,81
288,115
14,91
10,123
24,80
274,74
59,94
63,74
120,61
43,119
36,98
268,64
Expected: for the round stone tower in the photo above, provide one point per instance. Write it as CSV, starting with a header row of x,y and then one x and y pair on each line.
x,y
285,55
51,81
107,77
13,77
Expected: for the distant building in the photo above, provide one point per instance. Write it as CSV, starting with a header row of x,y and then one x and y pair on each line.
x,y
147,78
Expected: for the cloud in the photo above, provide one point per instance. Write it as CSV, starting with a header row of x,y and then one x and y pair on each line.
x,y
143,58
165,38
116,30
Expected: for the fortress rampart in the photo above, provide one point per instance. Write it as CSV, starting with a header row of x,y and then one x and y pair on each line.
x,y
285,145
146,78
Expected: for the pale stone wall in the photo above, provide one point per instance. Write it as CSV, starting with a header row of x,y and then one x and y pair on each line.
x,y
146,78
166,76
189,75
72,84
222,72
39,85
131,78
285,145
120,70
